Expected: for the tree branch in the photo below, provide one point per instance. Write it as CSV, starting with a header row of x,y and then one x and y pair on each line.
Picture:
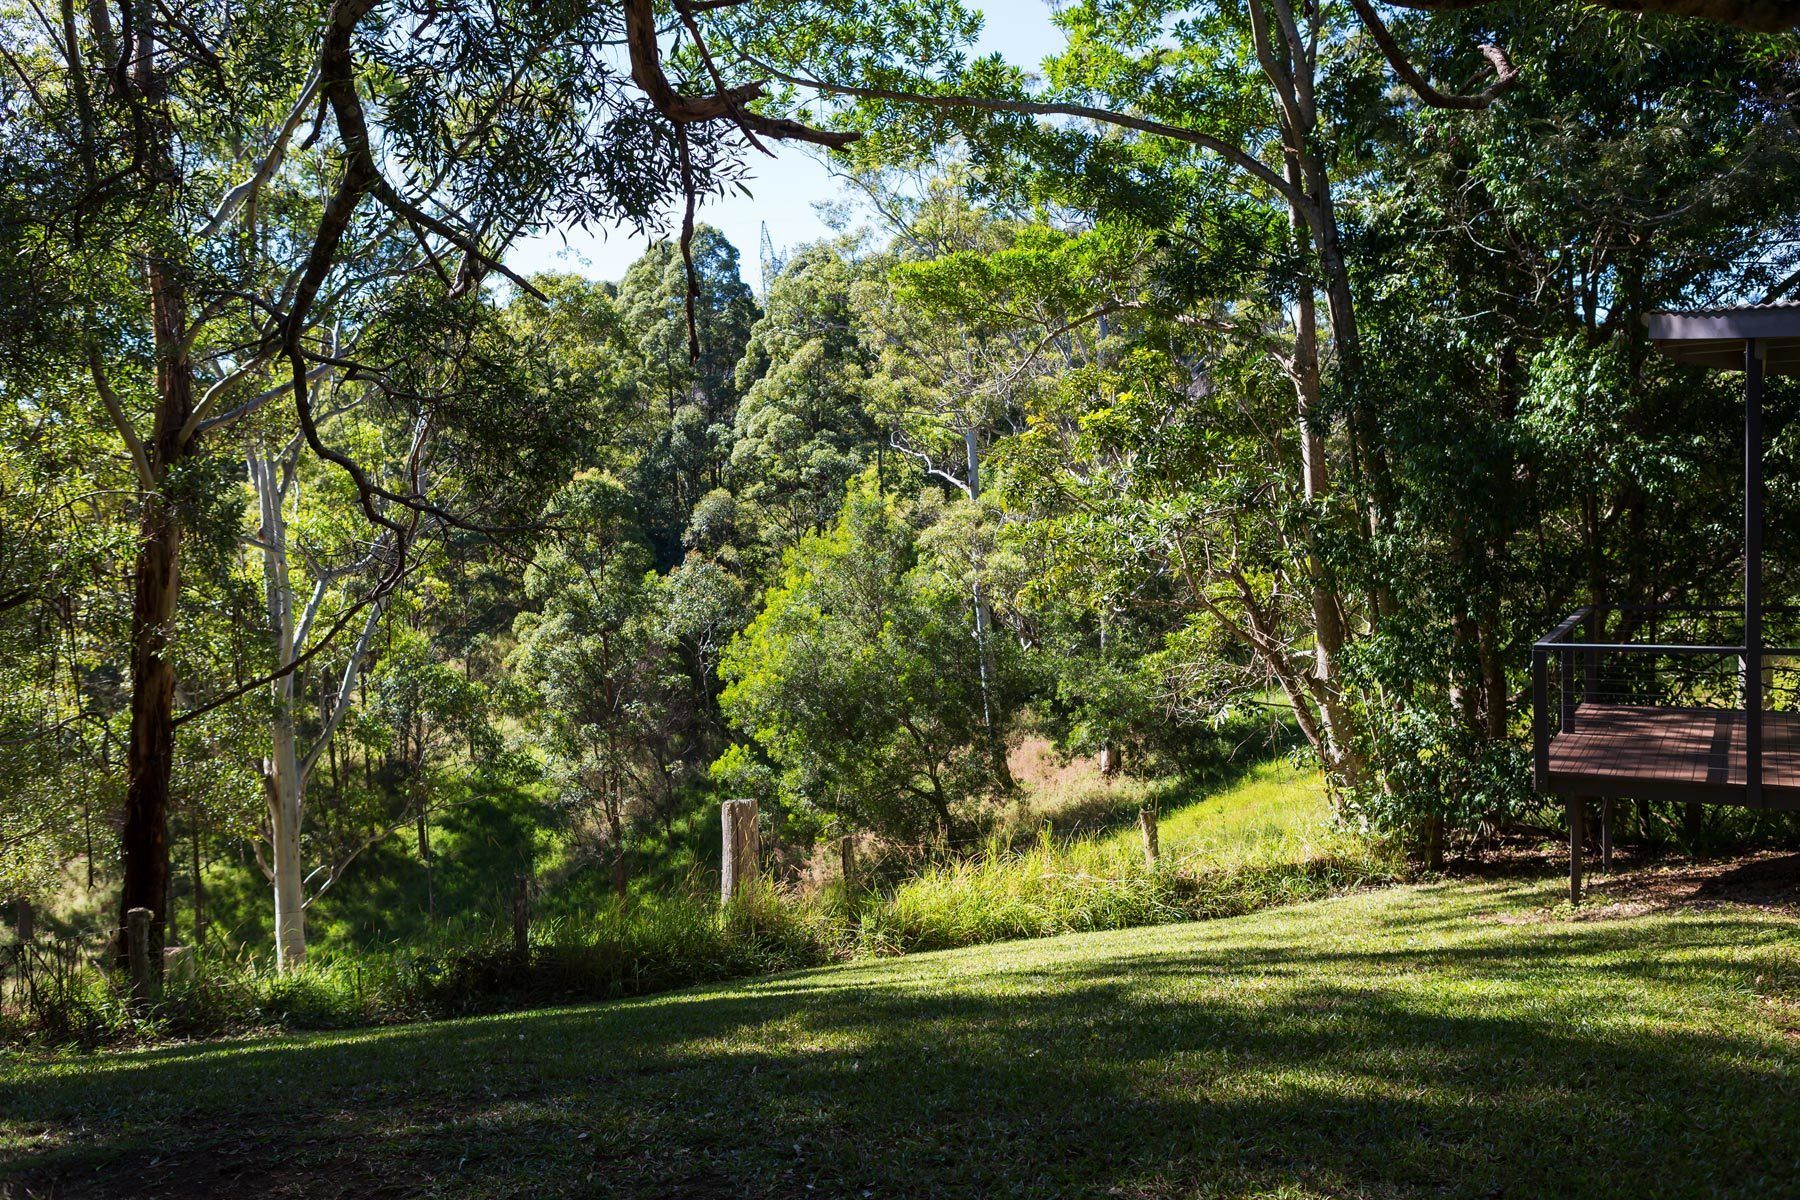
x,y
1506,76
271,162
725,104
1236,155
140,459
1761,16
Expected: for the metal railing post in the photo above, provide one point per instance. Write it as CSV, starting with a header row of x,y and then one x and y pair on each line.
x,y
1590,659
1753,535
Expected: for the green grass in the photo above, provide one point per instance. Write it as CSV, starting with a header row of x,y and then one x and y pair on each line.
x,y
1266,840
1449,1039
1276,812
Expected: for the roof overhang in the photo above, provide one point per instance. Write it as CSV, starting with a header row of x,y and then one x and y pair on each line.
x,y
1716,337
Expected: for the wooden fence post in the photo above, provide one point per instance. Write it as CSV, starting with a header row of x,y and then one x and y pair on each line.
x,y
1575,835
137,938
24,920
847,861
1147,827
521,918
741,849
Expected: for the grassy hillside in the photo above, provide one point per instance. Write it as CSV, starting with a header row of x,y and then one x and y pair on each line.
x,y
1276,811
1266,839
1466,1039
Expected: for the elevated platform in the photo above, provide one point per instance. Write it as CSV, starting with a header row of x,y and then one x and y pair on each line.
x,y
1682,754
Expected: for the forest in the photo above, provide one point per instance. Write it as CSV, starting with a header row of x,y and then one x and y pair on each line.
x,y
1113,440
1191,432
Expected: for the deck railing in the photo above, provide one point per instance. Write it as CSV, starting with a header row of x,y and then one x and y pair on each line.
x,y
1664,657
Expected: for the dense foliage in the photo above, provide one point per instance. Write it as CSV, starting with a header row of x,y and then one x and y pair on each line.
x,y
1225,366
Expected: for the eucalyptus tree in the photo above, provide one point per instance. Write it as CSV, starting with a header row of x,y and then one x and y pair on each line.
x,y
595,652
312,568
853,687
803,428
216,201
688,319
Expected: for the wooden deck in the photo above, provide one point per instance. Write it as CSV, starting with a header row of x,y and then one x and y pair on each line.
x,y
1673,754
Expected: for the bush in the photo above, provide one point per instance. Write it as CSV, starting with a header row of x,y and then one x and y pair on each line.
x,y
1438,770
56,995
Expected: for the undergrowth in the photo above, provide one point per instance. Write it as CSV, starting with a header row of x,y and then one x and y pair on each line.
x,y
1266,842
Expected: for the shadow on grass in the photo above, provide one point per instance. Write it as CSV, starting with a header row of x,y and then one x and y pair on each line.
x,y
1579,1059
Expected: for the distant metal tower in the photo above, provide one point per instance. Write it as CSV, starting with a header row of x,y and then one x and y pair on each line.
x,y
769,263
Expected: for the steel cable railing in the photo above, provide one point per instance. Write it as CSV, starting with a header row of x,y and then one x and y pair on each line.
x,y
1667,692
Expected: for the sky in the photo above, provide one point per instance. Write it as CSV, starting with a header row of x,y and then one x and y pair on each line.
x,y
784,190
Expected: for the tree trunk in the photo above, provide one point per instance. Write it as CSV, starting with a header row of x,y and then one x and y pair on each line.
x,y
425,856
996,745
199,886
282,785
150,754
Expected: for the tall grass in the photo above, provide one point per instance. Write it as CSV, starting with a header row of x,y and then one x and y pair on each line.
x,y
1265,841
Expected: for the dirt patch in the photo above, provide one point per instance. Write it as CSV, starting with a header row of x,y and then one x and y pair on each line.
x,y
1769,880
1038,767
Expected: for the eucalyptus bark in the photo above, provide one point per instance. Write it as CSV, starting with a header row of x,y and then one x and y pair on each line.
x,y
150,751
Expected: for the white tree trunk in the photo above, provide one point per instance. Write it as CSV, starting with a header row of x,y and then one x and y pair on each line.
x,y
285,787
287,768
283,784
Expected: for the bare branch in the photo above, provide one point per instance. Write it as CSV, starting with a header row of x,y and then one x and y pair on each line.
x,y
1506,76
271,161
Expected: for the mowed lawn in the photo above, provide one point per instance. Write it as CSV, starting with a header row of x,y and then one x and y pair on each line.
x,y
1453,1039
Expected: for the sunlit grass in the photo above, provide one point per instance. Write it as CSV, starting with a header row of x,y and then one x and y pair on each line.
x,y
1267,839
1277,812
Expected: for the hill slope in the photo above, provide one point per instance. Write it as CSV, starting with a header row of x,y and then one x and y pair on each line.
x,y
1460,1039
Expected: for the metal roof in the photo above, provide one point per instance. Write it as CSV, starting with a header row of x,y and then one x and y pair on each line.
x,y
1715,337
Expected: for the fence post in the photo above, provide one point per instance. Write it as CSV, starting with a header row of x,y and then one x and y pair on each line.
x,y
24,920
521,918
1147,827
137,939
741,848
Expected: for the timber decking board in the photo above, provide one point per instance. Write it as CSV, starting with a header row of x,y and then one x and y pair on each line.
x,y
1624,743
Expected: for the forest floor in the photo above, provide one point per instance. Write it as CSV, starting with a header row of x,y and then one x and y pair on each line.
x,y
1463,1038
